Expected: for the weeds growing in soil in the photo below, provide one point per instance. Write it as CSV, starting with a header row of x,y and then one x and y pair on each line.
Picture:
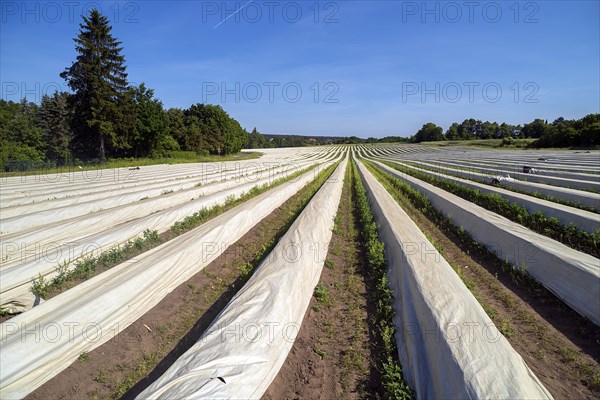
x,y
322,295
86,267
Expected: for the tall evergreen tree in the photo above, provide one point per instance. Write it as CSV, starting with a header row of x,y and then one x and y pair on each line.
x,y
99,81
55,120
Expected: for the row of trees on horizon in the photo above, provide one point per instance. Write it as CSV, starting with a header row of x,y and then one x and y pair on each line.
x,y
584,132
47,132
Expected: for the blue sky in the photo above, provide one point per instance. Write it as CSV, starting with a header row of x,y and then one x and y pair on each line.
x,y
364,68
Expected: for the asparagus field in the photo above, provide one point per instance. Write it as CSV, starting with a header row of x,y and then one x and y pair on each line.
x,y
480,267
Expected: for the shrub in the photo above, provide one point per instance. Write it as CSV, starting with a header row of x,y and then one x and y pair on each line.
x,y
507,141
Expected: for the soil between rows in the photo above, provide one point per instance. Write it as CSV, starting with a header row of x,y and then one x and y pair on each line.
x,y
332,357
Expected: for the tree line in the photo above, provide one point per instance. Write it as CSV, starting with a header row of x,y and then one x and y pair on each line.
x,y
105,117
584,132
256,140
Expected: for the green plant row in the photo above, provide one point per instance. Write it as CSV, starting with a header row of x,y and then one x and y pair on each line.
x,y
395,386
569,235
85,268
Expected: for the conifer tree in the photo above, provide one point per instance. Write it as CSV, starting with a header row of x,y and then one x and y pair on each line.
x,y
55,119
98,80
